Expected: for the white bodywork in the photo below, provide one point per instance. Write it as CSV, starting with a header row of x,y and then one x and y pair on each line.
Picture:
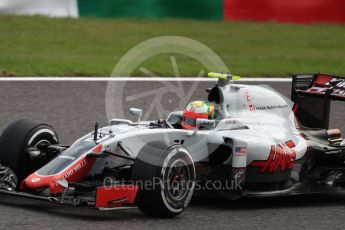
x,y
253,117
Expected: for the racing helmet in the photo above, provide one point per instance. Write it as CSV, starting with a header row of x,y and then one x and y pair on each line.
x,y
195,110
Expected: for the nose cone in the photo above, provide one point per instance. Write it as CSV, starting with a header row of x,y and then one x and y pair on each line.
x,y
34,182
76,171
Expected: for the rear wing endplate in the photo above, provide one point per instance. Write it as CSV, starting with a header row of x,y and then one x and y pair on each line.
x,y
312,95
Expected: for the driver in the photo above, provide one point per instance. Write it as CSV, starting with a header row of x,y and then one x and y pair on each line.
x,y
195,110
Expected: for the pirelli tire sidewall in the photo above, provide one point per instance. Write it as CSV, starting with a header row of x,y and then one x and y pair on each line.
x,y
153,165
18,136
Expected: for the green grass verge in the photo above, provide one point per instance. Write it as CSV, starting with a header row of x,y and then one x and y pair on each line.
x,y
38,46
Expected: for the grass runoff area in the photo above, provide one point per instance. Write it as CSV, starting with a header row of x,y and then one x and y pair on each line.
x,y
39,46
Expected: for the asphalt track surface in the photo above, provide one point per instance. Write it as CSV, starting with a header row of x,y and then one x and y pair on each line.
x,y
72,107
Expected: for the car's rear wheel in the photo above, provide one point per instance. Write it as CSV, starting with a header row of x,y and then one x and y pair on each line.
x,y
166,179
16,141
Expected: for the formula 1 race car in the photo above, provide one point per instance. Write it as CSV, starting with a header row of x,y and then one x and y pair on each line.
x,y
258,143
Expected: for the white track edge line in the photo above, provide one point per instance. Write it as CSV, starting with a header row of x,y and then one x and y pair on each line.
x,y
106,79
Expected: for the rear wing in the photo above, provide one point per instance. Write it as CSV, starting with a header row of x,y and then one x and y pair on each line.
x,y
312,95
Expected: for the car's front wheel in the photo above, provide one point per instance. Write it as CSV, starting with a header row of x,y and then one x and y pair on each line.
x,y
16,141
166,180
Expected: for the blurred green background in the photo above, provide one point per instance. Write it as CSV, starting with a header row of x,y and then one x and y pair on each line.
x,y
39,46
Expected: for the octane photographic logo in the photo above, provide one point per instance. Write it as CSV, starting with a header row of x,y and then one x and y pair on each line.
x,y
161,97
116,97
224,186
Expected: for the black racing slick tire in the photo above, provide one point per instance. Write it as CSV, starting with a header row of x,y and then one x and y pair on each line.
x,y
17,138
166,179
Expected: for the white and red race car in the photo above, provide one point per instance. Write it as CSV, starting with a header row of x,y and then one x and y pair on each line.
x,y
259,144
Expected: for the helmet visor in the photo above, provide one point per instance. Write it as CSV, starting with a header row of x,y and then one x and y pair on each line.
x,y
190,121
